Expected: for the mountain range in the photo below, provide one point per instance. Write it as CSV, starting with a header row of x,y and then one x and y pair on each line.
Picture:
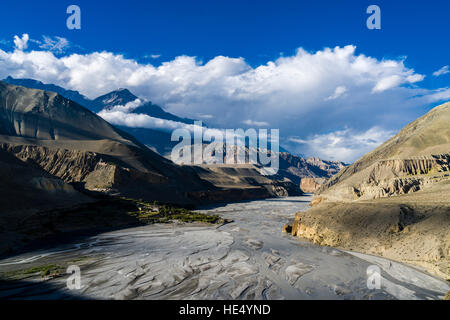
x,y
313,171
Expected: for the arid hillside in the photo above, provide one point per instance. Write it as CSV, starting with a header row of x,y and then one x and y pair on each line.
x,y
394,201
414,159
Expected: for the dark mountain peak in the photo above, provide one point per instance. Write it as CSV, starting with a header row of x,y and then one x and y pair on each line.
x,y
117,97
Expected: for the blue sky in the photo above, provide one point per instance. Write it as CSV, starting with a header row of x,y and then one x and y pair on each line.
x,y
258,31
414,35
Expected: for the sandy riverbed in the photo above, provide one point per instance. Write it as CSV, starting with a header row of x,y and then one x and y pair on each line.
x,y
247,259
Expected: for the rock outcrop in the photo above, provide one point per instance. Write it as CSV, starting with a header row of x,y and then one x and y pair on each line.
x,y
400,228
390,177
311,185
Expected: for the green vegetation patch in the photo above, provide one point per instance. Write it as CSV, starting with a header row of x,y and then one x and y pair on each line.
x,y
150,213
45,270
48,270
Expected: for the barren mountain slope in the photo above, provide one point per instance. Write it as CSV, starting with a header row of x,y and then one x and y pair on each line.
x,y
415,158
394,201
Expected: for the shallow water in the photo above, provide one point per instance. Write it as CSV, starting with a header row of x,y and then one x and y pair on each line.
x,y
247,259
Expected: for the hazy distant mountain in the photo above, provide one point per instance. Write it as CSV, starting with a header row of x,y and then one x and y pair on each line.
x,y
157,140
296,167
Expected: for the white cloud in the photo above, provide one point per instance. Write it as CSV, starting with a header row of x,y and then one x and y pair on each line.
x,y
345,145
252,123
121,115
123,118
338,92
396,80
21,43
55,44
441,71
304,94
414,78
152,56
387,83
130,106
438,95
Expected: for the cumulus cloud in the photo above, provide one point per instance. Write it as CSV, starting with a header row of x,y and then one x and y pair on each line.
x,y
441,71
308,93
21,43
